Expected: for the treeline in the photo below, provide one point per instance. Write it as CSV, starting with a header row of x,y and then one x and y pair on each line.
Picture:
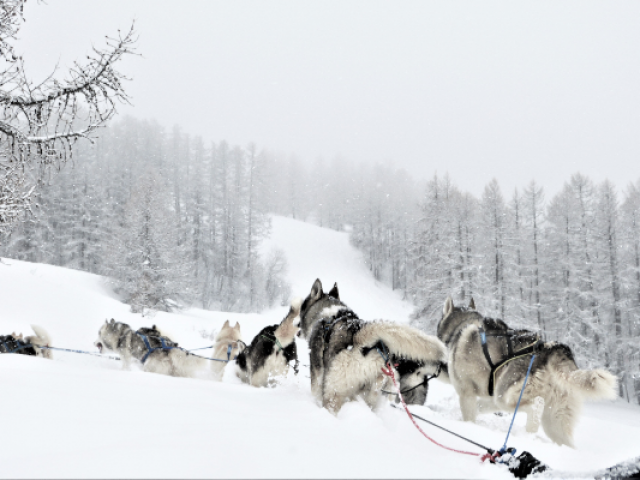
x,y
170,220
568,268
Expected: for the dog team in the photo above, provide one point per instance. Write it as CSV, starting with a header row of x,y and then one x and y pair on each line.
x,y
484,360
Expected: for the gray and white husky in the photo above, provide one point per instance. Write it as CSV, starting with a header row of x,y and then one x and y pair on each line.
x,y
413,375
555,389
158,354
271,351
347,357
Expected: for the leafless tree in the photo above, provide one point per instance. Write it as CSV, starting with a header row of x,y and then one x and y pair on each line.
x,y
41,122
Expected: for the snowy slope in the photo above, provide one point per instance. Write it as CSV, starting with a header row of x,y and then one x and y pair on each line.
x,y
82,416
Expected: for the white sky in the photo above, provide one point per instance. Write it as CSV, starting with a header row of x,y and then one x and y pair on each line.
x,y
511,90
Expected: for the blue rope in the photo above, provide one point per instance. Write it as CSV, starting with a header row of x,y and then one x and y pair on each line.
x,y
111,357
384,356
504,447
201,348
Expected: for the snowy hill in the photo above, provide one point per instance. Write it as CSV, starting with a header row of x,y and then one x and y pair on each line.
x,y
82,416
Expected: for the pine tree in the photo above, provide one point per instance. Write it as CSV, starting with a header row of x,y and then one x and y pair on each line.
x,y
148,269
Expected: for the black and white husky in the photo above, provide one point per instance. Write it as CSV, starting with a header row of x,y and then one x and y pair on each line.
x,y
29,345
413,373
156,352
313,306
271,351
348,354
488,363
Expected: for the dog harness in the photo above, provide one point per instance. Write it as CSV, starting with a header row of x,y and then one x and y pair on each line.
x,y
511,354
425,382
272,340
13,345
342,314
151,349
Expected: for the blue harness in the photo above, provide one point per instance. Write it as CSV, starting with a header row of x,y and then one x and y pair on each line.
x,y
164,346
150,349
20,346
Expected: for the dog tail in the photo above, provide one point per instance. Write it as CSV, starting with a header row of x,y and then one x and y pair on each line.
x,y
41,339
404,341
594,384
563,403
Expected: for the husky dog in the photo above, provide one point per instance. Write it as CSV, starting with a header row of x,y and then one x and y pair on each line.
x,y
226,348
347,357
270,351
555,389
314,305
30,345
157,353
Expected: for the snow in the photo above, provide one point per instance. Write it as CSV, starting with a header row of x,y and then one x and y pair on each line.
x,y
82,416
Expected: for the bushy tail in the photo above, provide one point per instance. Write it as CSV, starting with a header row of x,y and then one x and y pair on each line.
x,y
40,339
404,341
594,384
563,400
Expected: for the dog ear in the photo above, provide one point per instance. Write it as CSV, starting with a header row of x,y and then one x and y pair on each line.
x,y
472,304
225,324
112,320
316,290
448,307
295,307
237,326
334,292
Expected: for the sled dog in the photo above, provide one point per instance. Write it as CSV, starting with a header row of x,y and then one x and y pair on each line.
x,y
29,345
314,305
226,348
156,352
271,351
347,358
488,363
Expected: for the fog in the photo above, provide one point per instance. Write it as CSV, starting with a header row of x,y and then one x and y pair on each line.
x,y
511,90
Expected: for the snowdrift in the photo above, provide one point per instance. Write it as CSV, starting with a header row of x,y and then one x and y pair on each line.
x,y
80,416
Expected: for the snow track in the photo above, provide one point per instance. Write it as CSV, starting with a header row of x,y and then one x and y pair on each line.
x,y
83,417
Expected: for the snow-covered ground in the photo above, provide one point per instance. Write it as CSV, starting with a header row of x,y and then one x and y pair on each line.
x,y
82,416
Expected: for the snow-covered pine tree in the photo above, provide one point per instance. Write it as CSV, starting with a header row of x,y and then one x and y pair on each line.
x,y
533,216
149,269
433,252
490,280
630,286
609,275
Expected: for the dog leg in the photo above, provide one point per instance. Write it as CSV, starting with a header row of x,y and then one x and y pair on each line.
x,y
316,383
125,357
333,401
534,414
487,405
371,396
469,407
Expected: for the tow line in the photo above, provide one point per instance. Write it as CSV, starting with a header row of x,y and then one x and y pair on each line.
x,y
520,466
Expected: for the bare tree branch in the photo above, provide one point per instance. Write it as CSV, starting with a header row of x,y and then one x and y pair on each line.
x,y
40,123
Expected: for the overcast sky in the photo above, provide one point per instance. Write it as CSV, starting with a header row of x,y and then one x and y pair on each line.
x,y
511,90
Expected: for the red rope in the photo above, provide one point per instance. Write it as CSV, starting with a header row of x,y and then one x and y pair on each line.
x,y
389,373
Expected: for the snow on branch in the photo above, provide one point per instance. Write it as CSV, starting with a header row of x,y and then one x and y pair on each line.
x,y
41,122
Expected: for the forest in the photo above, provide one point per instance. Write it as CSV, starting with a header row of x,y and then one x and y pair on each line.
x,y
174,221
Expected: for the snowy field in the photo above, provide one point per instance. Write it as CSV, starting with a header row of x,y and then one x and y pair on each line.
x,y
83,417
